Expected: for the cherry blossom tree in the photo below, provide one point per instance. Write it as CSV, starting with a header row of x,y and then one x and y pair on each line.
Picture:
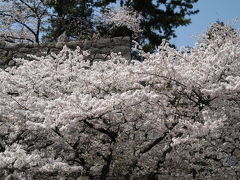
x,y
62,114
25,20
115,18
22,20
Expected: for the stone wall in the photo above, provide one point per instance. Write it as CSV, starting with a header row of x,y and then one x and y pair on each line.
x,y
99,49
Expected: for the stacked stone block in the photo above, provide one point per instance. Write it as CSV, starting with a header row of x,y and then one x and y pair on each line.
x,y
99,49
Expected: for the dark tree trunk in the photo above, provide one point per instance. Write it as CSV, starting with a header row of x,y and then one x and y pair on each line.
x,y
106,167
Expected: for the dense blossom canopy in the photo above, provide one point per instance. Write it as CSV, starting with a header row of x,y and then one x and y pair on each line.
x,y
62,113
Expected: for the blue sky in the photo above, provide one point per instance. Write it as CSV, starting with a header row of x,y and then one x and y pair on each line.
x,y
210,11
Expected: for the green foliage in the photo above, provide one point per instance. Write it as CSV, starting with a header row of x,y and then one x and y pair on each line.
x,y
73,17
160,18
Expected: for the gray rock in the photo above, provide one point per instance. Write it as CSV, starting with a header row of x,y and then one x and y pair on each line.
x,y
228,147
11,46
63,37
83,178
4,59
2,44
11,63
229,161
236,154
